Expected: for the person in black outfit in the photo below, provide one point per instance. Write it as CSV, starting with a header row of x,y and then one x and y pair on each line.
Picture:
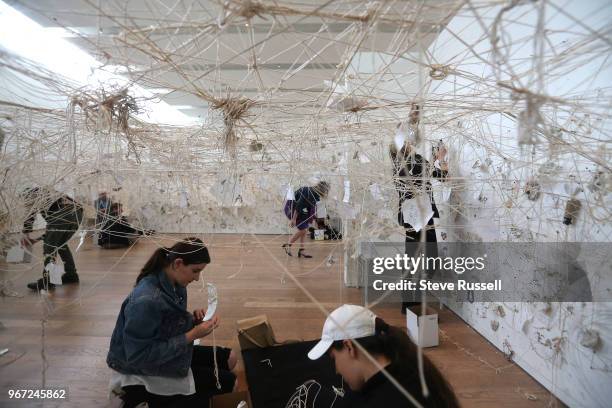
x,y
63,216
302,211
116,232
352,331
411,174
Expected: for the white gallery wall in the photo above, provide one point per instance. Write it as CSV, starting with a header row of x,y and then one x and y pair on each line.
x,y
549,340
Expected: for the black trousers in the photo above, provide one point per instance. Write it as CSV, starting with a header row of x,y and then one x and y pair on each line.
x,y
414,248
202,365
55,242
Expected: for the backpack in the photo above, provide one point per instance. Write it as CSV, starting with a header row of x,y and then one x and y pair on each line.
x,y
288,210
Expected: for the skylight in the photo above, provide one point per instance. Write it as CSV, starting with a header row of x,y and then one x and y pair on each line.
x,y
28,39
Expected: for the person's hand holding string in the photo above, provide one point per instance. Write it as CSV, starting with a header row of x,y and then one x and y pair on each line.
x,y
203,329
198,316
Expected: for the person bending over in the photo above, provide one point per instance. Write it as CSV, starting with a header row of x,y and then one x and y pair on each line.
x,y
63,216
152,352
302,211
116,231
361,345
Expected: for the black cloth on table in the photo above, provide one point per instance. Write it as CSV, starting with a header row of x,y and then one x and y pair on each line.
x,y
272,385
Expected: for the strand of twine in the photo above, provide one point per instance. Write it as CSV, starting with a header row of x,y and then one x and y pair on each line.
x,y
45,364
215,359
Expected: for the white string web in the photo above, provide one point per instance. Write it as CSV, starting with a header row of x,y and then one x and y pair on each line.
x,y
305,395
290,91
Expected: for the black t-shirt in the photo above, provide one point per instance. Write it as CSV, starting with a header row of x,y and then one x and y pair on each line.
x,y
305,202
63,211
411,176
378,392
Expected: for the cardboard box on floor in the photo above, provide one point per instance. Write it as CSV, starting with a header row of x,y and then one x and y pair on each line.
x,y
230,400
422,326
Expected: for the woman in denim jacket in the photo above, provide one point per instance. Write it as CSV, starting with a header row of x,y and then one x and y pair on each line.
x,y
152,352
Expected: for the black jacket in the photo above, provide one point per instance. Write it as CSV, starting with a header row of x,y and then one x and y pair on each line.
x,y
305,202
62,212
411,177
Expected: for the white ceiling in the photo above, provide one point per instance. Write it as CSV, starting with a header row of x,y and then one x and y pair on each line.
x,y
177,48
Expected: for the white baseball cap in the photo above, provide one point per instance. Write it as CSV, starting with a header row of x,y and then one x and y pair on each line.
x,y
346,322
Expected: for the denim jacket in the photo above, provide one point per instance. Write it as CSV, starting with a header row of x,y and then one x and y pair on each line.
x,y
149,336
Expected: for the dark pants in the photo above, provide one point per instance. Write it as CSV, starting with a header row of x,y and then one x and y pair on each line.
x,y
202,365
413,236
55,242
414,248
117,233
117,245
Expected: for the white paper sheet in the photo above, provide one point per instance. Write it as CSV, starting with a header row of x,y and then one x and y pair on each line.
x,y
399,139
347,191
441,191
363,158
375,191
55,273
321,210
183,200
213,299
15,254
417,211
81,240
289,193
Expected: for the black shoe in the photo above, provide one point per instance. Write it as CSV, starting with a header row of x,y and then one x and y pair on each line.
x,y
301,254
287,248
41,284
70,278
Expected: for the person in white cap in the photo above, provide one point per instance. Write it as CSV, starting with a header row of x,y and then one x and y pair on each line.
x,y
362,345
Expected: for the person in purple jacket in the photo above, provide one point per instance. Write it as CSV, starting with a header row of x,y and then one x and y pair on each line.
x,y
301,212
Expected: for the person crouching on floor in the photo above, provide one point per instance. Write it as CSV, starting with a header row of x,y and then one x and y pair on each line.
x,y
116,231
152,352
362,346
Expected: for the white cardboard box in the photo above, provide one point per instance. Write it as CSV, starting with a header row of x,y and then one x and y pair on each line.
x,y
423,328
319,234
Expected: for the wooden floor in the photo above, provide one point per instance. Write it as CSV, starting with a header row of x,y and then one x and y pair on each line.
x,y
250,282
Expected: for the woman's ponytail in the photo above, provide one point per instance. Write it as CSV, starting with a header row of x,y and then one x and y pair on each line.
x,y
156,262
190,250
